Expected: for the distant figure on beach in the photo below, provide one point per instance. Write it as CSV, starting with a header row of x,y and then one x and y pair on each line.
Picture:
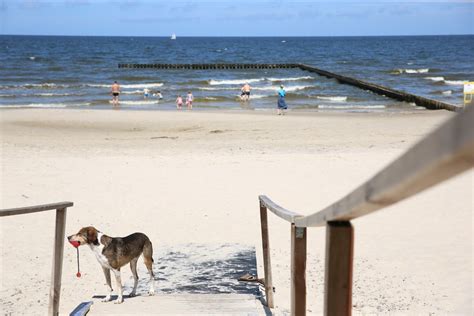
x,y
189,100
179,102
115,90
146,93
281,101
158,95
245,95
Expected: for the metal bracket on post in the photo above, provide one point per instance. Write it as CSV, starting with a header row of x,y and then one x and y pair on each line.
x,y
299,232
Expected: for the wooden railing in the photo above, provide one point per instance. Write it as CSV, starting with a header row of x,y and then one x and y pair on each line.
x,y
442,154
58,249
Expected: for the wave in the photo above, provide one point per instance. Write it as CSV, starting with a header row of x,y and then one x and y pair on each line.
x,y
333,99
133,92
325,106
436,79
234,81
455,82
215,89
45,85
129,86
291,78
448,92
43,105
410,71
138,102
243,81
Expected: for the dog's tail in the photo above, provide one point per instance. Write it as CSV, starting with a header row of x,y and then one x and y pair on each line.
x,y
148,256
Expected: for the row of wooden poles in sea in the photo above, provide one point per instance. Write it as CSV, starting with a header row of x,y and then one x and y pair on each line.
x,y
376,88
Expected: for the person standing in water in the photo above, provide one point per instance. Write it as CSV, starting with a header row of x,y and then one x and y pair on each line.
x,y
179,102
281,101
189,100
115,90
245,95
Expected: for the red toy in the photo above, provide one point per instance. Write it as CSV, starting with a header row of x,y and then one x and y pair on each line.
x,y
76,245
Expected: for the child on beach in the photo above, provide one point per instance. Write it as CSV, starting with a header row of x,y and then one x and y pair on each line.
x,y
146,93
179,102
281,101
189,100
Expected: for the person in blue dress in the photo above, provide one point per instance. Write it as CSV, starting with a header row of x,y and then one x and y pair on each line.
x,y
281,100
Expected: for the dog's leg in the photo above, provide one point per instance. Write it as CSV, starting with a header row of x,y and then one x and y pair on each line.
x,y
109,284
133,267
118,281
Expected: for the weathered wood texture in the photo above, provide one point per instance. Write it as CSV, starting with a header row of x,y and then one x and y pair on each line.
x,y
279,211
184,304
442,154
298,271
267,264
59,236
35,209
389,92
208,66
338,269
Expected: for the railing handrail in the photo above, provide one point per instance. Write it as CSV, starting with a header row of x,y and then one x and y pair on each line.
x,y
444,153
58,248
35,209
279,211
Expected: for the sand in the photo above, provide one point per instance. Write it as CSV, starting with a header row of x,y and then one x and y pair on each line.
x,y
194,178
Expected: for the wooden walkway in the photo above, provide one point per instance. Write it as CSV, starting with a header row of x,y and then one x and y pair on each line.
x,y
183,304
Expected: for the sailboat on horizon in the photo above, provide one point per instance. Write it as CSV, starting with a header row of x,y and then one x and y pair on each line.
x,y
173,36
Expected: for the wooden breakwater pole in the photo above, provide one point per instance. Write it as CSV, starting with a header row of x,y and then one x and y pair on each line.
x,y
379,89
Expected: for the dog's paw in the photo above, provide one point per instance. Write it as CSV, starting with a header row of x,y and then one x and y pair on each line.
x,y
132,294
118,300
106,299
151,291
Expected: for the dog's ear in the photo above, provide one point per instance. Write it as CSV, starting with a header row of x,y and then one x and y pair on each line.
x,y
92,236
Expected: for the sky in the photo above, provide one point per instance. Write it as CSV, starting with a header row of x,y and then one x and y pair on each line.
x,y
236,18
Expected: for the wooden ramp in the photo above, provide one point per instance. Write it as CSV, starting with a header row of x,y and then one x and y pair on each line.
x,y
183,304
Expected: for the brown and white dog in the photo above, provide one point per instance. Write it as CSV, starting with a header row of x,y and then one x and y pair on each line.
x,y
115,252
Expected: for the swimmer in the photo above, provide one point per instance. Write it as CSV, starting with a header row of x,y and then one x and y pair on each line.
x,y
189,100
245,95
115,90
146,93
179,102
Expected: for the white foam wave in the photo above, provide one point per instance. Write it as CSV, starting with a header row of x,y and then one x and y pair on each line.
x,y
417,71
129,86
6,95
138,102
287,89
435,78
334,99
215,89
455,82
325,106
43,105
133,92
234,81
448,92
291,78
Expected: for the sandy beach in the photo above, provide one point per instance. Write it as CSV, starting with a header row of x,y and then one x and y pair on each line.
x,y
194,177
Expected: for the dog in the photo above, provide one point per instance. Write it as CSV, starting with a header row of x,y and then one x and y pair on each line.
x,y
115,252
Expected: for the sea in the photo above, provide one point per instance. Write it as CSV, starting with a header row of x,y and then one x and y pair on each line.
x,y
77,72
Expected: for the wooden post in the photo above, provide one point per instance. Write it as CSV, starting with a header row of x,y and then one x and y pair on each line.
x,y
59,236
298,270
267,265
338,276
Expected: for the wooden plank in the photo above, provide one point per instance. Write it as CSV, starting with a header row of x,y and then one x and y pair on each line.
x,y
443,154
298,270
267,264
338,270
35,209
58,251
279,211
